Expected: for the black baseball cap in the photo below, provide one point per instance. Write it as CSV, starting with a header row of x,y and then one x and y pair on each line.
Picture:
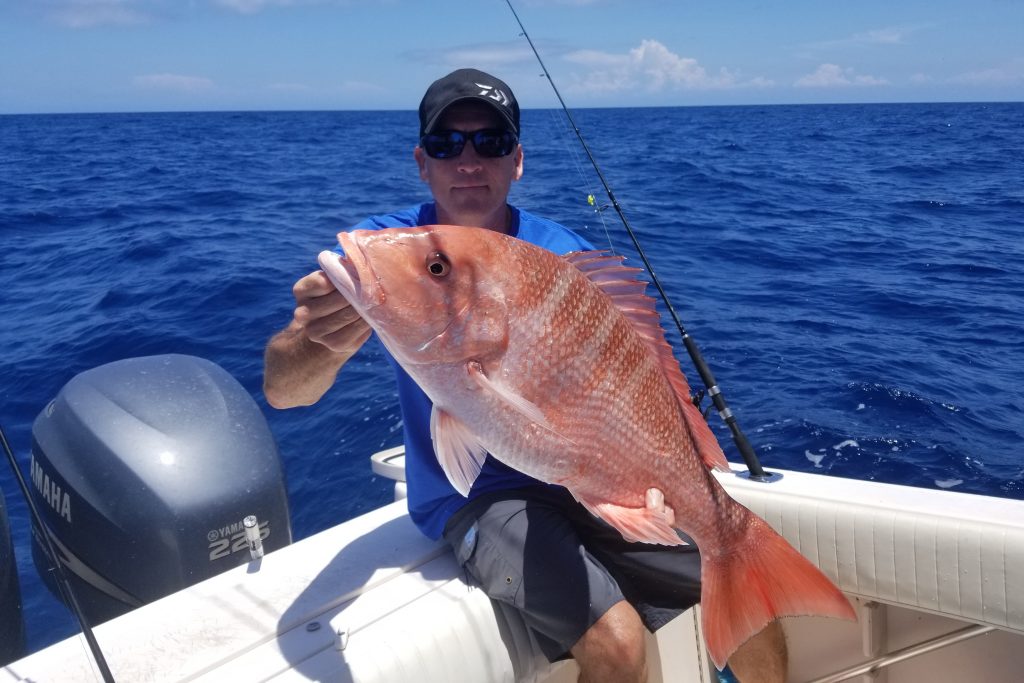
x,y
467,84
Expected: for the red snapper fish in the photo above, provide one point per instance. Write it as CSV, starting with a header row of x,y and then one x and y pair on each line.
x,y
558,367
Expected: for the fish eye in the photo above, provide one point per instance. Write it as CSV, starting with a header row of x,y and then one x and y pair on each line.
x,y
438,264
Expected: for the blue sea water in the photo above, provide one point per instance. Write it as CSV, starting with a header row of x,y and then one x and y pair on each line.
x,y
854,274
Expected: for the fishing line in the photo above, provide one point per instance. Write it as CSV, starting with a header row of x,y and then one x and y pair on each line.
x,y
574,154
738,437
62,580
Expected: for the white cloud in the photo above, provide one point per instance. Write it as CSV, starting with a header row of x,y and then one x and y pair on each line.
x,y
254,6
760,82
479,55
885,36
290,87
1007,74
495,54
650,66
597,59
251,6
834,76
888,35
90,13
174,82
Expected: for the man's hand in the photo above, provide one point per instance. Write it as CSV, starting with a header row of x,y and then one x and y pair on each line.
x,y
655,500
302,361
325,316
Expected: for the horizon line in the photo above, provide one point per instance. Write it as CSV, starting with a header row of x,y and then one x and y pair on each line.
x,y
411,111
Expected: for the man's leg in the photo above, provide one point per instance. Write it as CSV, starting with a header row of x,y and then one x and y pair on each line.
x,y
522,549
763,658
613,648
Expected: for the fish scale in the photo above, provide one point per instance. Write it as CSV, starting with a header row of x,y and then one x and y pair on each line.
x,y
611,395
594,345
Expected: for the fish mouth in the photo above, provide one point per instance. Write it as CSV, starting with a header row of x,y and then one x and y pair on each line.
x,y
347,270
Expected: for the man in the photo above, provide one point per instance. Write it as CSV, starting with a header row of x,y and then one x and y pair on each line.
x,y
580,587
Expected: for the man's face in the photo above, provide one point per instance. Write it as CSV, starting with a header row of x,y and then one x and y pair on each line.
x,y
470,189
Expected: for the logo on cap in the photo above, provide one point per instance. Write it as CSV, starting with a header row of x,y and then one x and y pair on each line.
x,y
492,93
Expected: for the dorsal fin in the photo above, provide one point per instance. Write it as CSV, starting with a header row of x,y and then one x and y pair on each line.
x,y
626,291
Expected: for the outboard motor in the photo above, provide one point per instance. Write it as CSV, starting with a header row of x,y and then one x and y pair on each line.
x,y
144,470
12,626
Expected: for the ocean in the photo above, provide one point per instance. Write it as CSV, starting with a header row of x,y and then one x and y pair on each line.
x,y
854,274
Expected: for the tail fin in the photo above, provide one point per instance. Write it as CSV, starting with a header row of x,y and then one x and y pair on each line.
x,y
760,578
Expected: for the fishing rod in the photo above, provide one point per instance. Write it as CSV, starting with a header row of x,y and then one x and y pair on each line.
x,y
62,579
756,473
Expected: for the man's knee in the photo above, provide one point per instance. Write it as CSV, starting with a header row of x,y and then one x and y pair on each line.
x,y
613,648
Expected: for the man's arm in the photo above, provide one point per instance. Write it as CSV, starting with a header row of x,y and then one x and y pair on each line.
x,y
302,361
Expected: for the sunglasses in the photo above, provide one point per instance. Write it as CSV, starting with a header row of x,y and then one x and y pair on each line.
x,y
488,142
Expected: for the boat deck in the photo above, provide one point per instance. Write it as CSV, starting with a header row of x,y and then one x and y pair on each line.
x,y
373,600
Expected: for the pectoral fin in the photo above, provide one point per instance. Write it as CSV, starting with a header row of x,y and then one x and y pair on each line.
x,y
651,524
507,396
459,452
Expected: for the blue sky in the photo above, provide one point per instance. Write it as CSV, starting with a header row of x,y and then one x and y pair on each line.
x,y
174,55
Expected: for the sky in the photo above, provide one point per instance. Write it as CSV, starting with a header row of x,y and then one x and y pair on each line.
x,y
61,56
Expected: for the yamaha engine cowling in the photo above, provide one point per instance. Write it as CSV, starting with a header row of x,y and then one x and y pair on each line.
x,y
143,469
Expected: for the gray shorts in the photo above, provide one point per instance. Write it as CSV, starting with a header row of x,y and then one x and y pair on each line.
x,y
540,551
